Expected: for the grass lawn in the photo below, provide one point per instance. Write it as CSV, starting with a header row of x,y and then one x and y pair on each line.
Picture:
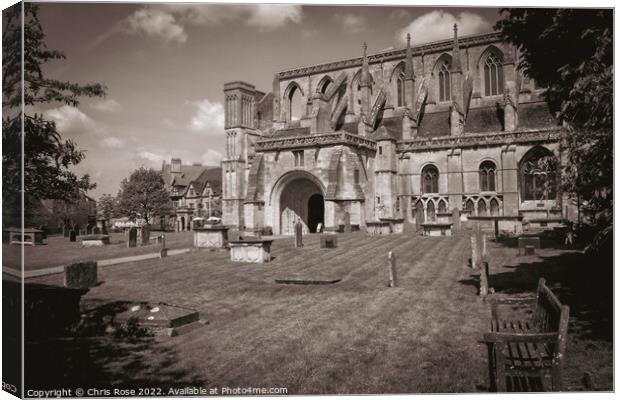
x,y
356,336
58,250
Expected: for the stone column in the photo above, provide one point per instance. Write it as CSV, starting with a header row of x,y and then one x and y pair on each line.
x,y
510,183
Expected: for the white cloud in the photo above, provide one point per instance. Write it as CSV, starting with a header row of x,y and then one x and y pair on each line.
x,y
208,118
350,22
112,142
107,105
167,22
212,158
438,25
71,121
152,157
153,22
272,16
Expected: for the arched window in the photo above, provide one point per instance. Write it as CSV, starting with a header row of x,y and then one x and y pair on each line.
x,y
469,207
444,81
494,207
430,179
295,103
493,75
400,89
325,85
537,171
441,207
430,211
487,176
482,208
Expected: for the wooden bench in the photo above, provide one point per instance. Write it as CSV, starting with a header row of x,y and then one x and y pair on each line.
x,y
524,354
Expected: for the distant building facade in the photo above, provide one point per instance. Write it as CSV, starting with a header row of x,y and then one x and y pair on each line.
x,y
401,134
195,191
59,216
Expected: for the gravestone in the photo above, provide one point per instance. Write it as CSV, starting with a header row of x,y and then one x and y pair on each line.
x,y
329,241
529,250
82,275
346,219
456,219
146,233
72,235
96,230
392,269
298,234
164,251
319,227
133,237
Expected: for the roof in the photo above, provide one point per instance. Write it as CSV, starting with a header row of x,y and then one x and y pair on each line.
x,y
187,175
211,175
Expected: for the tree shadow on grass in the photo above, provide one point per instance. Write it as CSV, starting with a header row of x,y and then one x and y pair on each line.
x,y
66,349
583,283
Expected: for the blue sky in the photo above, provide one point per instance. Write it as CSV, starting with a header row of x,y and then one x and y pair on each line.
x,y
165,66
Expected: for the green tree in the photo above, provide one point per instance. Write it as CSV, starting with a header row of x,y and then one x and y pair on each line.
x,y
569,52
143,195
48,157
107,207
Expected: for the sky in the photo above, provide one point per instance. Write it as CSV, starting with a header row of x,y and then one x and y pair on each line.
x,y
165,65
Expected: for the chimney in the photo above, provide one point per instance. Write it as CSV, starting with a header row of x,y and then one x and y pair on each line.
x,y
175,167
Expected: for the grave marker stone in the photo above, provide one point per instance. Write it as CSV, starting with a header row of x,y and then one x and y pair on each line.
x,y
72,235
133,237
392,269
82,275
96,230
164,251
146,235
298,234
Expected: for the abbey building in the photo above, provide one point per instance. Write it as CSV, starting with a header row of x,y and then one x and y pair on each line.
x,y
403,134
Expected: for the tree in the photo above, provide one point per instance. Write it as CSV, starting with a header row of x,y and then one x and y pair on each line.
x,y
569,52
48,158
143,195
107,207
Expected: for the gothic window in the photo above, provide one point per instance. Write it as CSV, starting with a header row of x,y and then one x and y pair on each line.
x,y
441,208
430,211
487,176
493,76
325,86
444,81
430,179
469,207
356,176
482,207
400,89
295,104
537,171
494,207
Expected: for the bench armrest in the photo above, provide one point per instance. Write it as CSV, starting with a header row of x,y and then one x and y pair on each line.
x,y
513,300
505,337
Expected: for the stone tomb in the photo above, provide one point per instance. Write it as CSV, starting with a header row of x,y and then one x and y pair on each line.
x,y
32,237
250,250
437,229
159,318
526,241
95,240
211,236
378,228
82,275
397,225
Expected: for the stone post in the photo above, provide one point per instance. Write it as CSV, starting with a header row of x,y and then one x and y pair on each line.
x,y
456,219
72,235
81,275
133,237
392,269
164,251
298,234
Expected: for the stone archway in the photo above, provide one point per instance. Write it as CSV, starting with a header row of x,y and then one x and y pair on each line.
x,y
298,196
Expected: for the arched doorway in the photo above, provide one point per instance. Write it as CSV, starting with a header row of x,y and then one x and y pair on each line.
x,y
316,211
297,196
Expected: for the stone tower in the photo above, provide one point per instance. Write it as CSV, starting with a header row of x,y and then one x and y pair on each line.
x,y
241,134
